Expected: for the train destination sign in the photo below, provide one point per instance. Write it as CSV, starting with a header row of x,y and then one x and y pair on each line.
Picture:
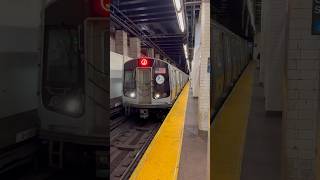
x,y
101,7
316,17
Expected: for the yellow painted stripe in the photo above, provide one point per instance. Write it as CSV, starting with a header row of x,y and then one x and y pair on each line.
x,y
227,137
161,159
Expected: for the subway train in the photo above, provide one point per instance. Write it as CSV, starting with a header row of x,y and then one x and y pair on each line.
x,y
73,86
230,54
73,90
150,85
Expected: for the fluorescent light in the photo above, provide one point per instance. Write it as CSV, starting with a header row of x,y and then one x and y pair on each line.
x,y
177,4
185,50
181,21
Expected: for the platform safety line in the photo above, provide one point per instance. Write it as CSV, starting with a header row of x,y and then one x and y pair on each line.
x,y
161,159
229,130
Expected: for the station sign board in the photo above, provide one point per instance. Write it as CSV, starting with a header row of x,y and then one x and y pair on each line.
x,y
316,17
101,8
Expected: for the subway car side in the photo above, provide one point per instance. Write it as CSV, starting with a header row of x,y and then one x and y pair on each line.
x,y
230,56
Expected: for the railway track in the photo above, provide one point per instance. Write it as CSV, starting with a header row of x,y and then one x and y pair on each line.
x,y
129,139
116,118
128,143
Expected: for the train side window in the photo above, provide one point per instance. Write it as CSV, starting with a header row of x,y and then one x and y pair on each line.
x,y
129,77
173,83
177,80
62,69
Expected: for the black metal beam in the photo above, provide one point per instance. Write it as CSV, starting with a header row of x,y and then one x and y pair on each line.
x,y
133,2
161,13
155,19
143,9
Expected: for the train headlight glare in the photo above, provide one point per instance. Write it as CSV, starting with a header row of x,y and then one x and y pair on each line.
x,y
157,96
73,105
132,94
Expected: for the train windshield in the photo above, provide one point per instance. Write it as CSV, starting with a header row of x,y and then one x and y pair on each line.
x,y
129,85
62,57
63,71
129,79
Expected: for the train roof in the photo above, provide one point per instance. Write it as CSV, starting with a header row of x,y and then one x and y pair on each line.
x,y
156,60
153,59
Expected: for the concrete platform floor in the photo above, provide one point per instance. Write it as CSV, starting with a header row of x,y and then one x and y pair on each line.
x,y
262,152
193,159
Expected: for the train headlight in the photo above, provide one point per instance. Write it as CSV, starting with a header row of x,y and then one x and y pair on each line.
x,y
132,94
157,96
73,105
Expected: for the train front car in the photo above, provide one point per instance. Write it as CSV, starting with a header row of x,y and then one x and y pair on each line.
x,y
147,86
73,69
74,105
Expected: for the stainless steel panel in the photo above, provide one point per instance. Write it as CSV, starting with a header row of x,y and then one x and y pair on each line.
x,y
144,85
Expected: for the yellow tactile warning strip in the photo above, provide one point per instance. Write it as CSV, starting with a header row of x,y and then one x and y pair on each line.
x,y
161,159
227,135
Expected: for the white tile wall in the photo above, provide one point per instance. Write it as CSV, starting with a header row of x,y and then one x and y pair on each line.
x,y
302,92
121,42
112,44
135,47
204,90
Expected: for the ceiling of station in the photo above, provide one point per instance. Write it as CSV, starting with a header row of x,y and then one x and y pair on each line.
x,y
157,20
192,13
233,14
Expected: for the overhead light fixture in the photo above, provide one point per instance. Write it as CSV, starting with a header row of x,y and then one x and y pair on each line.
x,y
179,11
185,50
188,63
181,21
177,5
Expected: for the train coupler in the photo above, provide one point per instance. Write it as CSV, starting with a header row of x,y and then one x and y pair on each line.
x,y
127,110
144,113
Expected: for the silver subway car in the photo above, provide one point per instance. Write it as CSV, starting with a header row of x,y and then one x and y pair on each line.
x,y
151,85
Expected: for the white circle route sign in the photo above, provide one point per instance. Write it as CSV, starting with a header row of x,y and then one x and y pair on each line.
x,y
160,79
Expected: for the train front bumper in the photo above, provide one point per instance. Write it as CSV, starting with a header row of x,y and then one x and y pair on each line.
x,y
147,106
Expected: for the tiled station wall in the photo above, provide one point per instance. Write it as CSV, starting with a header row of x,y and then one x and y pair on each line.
x,y
302,109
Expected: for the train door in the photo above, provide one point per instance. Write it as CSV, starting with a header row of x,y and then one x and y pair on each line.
x,y
177,81
173,84
181,81
143,80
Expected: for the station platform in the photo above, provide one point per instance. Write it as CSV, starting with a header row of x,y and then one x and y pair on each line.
x,y
245,140
176,146
194,145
